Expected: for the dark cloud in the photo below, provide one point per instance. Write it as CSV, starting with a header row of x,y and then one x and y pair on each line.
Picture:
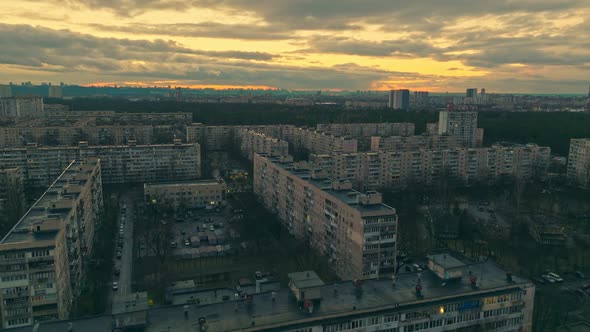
x,y
67,54
24,44
204,29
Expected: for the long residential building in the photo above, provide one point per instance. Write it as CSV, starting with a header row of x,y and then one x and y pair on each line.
x,y
44,257
456,166
252,142
414,142
12,196
120,163
355,231
21,107
192,194
453,294
578,164
314,141
97,128
358,130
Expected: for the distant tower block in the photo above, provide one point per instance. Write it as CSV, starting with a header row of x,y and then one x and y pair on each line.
x,y
178,94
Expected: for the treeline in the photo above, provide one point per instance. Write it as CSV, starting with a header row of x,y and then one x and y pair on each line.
x,y
548,129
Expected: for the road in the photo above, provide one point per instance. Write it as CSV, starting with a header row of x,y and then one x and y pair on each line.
x,y
125,263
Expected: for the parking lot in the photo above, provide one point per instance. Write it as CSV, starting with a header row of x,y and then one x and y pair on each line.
x,y
488,219
200,233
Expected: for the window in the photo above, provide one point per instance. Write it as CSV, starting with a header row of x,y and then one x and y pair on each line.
x,y
374,321
391,318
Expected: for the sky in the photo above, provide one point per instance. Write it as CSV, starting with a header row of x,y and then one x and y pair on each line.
x,y
505,46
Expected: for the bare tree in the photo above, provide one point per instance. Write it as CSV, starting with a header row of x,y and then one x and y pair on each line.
x,y
518,190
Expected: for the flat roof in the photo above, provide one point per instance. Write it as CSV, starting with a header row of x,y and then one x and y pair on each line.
x,y
184,183
347,196
42,209
338,300
305,279
102,323
446,260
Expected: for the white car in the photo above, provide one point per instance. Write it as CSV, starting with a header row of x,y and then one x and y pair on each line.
x,y
548,278
115,285
211,228
555,276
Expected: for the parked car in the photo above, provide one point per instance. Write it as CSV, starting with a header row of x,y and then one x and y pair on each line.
x,y
117,272
555,276
115,285
172,244
211,228
118,255
580,275
548,278
187,243
204,226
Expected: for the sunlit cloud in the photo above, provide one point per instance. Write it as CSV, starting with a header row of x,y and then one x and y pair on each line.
x,y
505,45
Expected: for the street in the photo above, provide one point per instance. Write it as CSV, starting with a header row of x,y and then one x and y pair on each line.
x,y
125,262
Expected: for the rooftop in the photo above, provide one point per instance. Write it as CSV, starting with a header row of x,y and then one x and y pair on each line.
x,y
184,183
447,261
338,299
54,205
347,196
305,279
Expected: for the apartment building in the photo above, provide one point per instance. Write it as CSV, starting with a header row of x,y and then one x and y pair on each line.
x,y
578,164
453,294
43,258
21,107
358,130
355,231
400,143
71,133
12,196
315,141
456,166
190,194
120,163
461,124
252,142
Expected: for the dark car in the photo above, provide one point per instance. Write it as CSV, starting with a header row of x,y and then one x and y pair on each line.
x,y
117,272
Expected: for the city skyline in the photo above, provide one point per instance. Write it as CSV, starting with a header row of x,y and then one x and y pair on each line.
x,y
507,47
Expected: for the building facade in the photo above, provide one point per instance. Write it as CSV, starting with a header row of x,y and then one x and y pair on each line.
x,y
461,124
21,107
12,196
319,142
401,100
358,130
252,142
190,194
120,163
455,166
578,164
401,143
355,231
44,257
